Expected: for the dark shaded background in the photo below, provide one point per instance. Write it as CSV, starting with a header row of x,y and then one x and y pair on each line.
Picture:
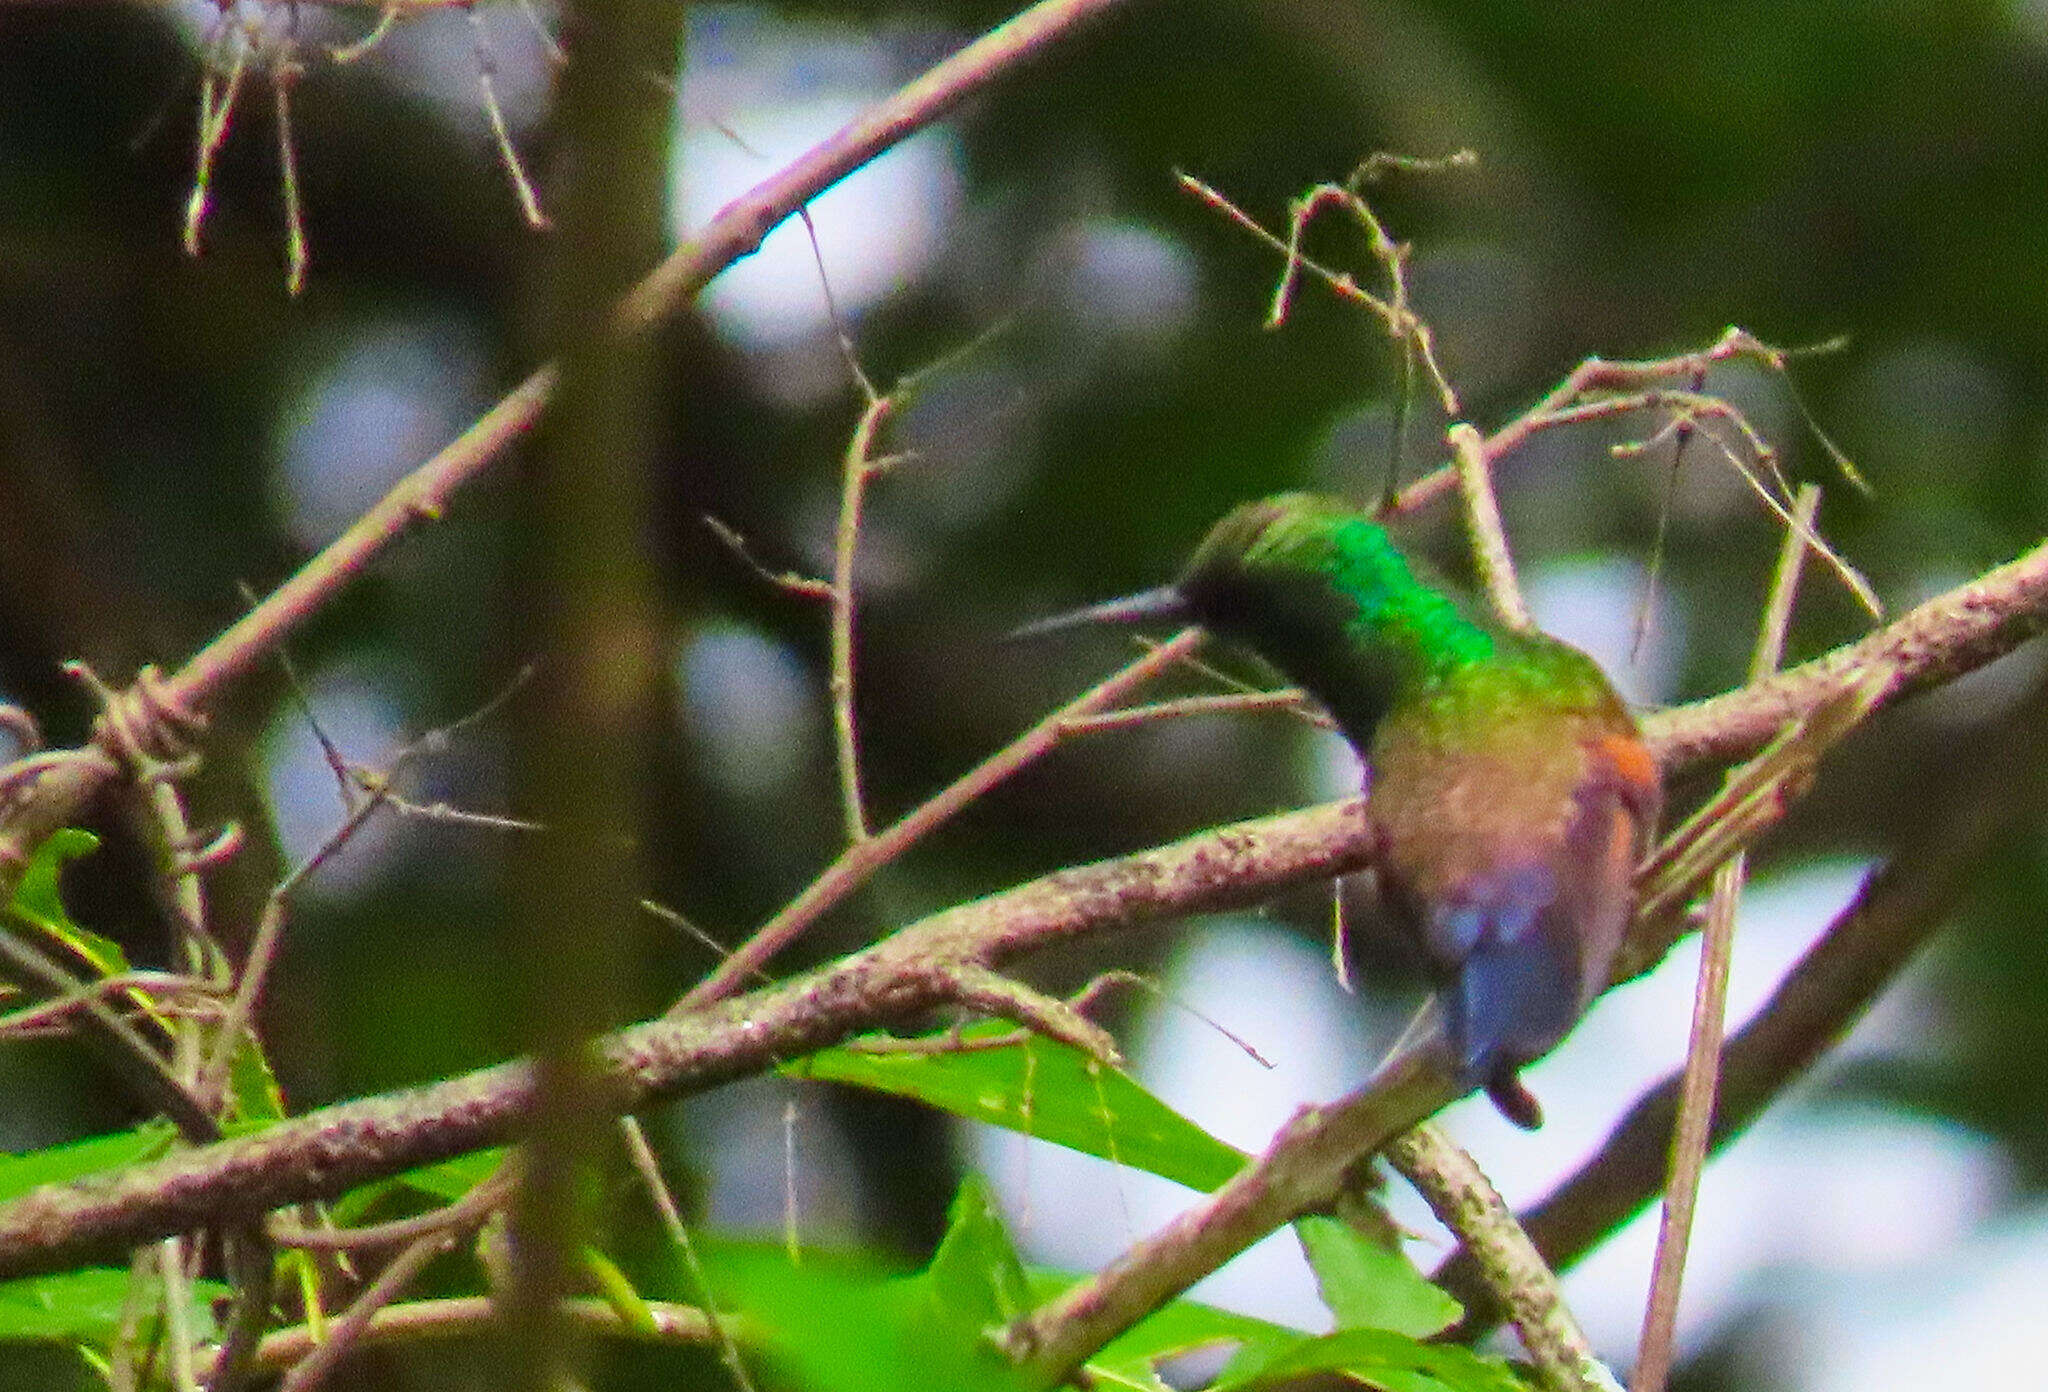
x,y
1650,173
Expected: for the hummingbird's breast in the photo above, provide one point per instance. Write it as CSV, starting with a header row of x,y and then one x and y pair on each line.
x,y
1511,812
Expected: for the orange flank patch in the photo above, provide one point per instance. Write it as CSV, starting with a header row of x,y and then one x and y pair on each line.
x,y
1630,759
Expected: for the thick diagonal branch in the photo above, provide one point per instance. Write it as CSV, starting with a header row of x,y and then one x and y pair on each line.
x,y
324,1153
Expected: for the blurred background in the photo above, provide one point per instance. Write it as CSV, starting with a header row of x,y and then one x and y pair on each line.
x,y
1649,173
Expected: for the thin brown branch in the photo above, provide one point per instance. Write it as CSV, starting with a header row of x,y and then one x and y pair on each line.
x,y
860,468
250,1264
1465,1201
120,1045
469,1317
649,1170
788,581
1303,1169
1591,376
858,863
1482,522
1955,632
327,1152
55,798
1289,699
955,1040
1396,313
466,1212
343,1335
168,993
1701,1075
363,791
741,225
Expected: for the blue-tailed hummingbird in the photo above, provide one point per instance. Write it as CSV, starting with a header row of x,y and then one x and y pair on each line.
x,y
1509,790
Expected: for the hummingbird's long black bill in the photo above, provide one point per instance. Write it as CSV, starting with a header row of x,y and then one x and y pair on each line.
x,y
1165,604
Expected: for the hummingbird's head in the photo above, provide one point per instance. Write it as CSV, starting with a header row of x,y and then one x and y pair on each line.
x,y
1258,564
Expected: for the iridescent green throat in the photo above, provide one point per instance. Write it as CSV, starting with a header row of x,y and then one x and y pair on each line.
x,y
1322,594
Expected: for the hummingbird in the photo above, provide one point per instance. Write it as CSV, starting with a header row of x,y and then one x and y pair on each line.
x,y
1509,791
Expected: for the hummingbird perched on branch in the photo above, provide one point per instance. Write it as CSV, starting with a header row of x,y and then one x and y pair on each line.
x,y
1510,792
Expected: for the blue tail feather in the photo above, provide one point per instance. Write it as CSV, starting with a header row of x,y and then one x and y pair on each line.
x,y
1509,1003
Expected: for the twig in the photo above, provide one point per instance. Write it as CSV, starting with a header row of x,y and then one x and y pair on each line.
x,y
284,77
484,1199
1482,522
860,469
418,1321
251,1265
118,1043
180,1338
862,859
1599,389
1658,1343
741,225
1402,324
342,1335
788,580
352,52
649,1170
1693,408
363,792
955,1041
216,112
1303,1170
1290,699
494,111
1467,1203
1592,375
162,989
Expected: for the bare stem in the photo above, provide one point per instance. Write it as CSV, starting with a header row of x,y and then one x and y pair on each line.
x,y
1702,1074
861,467
1467,1203
1489,536
861,860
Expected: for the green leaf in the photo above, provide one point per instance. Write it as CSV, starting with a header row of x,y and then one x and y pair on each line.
x,y
60,1163
84,1306
444,1182
1184,1326
252,1084
845,1324
1043,1089
73,1305
451,1179
1378,1358
1368,1287
39,903
975,1274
